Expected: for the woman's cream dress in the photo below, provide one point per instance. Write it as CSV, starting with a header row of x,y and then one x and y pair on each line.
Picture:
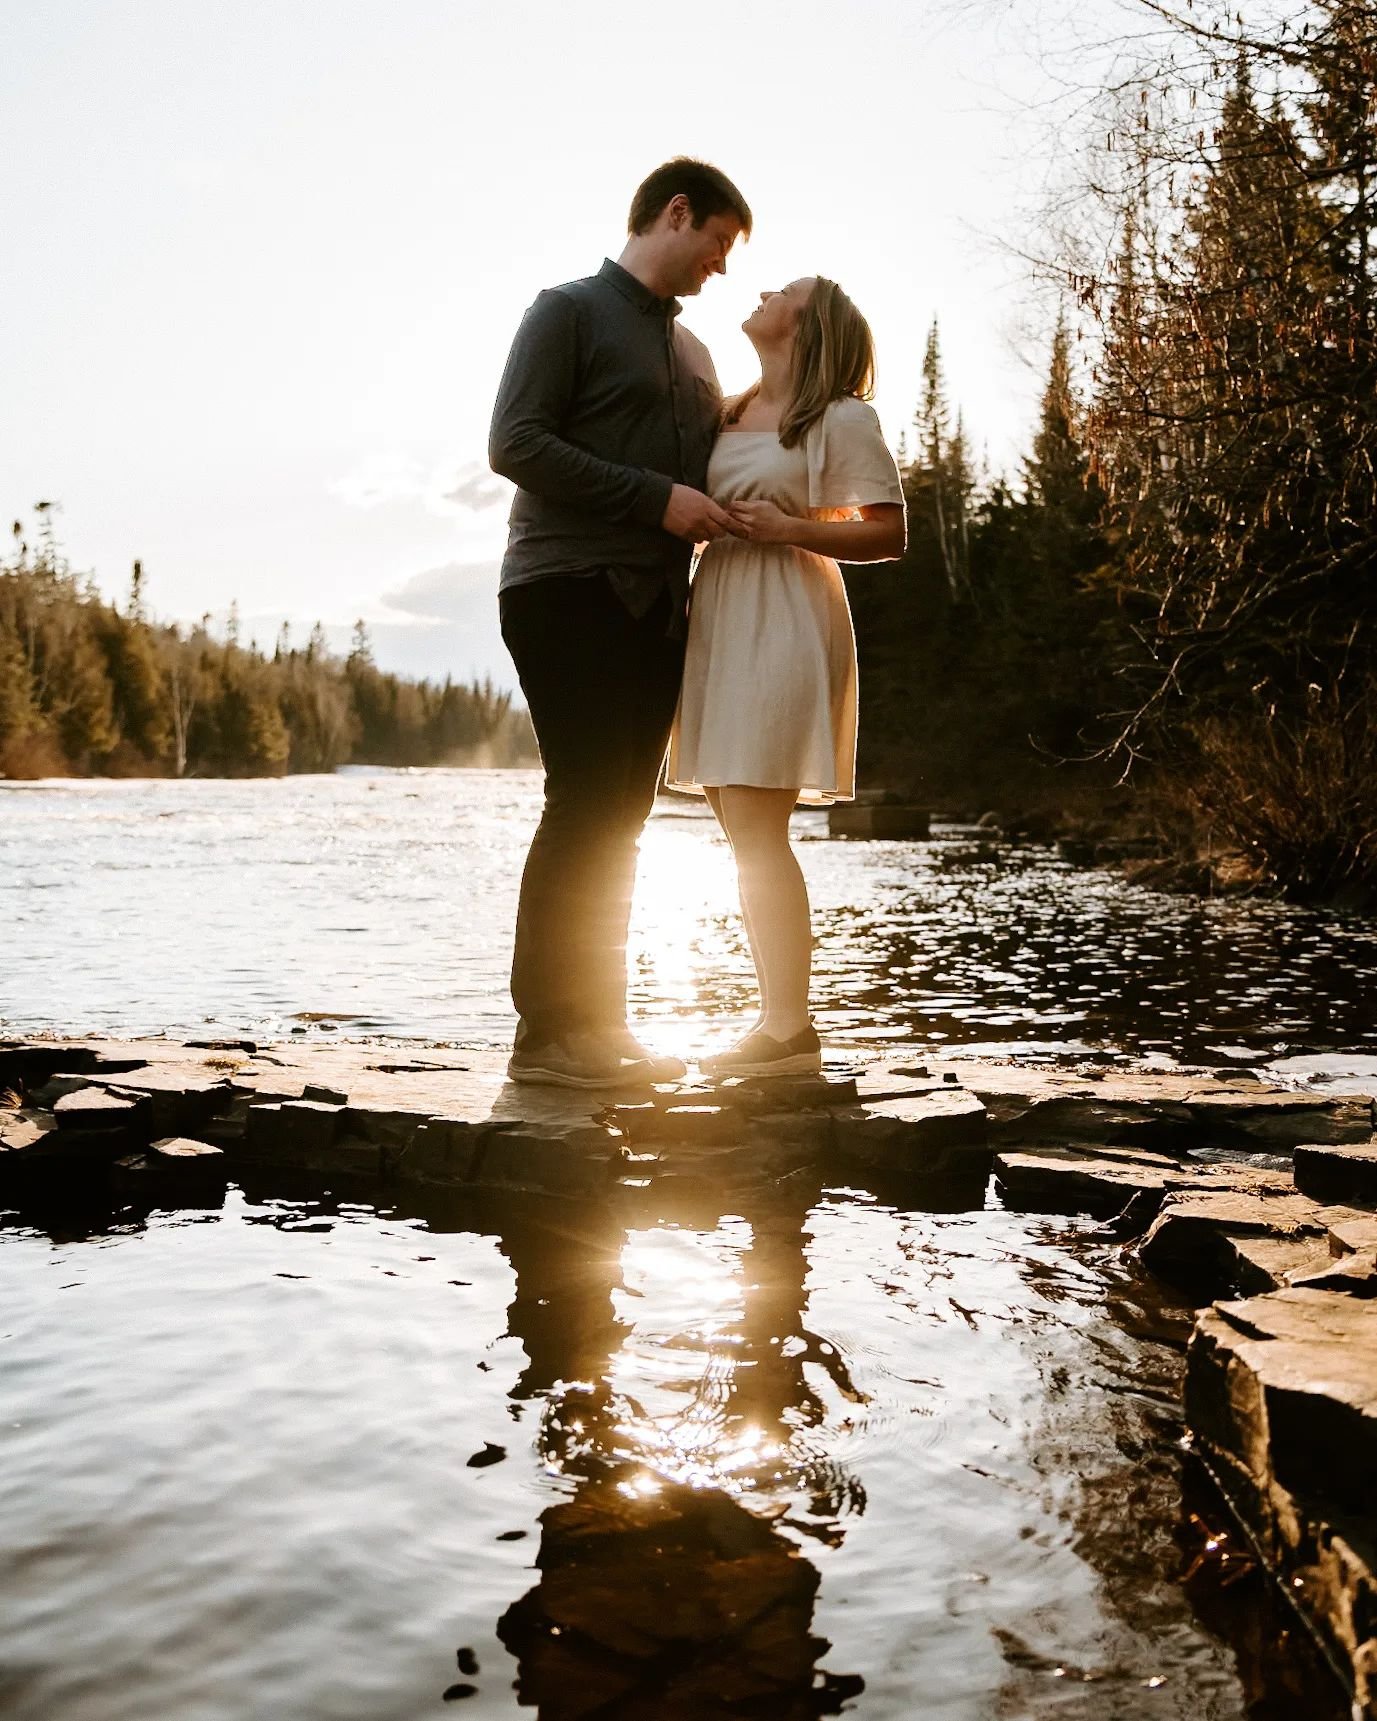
x,y
769,693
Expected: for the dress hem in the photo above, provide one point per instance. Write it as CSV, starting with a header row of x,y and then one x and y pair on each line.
x,y
807,795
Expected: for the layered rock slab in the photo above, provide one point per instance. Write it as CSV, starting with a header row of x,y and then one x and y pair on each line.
x,y
442,1116
1281,1396
1216,1241
1031,1105
1330,1172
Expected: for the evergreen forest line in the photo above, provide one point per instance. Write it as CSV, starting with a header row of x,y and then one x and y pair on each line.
x,y
1167,625
92,688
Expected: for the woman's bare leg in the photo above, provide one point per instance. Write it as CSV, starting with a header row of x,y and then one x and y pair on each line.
x,y
715,802
774,901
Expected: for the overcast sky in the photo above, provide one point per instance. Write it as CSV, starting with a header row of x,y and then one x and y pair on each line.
x,y
264,260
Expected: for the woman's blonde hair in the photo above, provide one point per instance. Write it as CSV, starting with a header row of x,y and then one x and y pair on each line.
x,y
833,357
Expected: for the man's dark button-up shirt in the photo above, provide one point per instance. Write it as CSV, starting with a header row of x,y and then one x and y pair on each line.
x,y
605,403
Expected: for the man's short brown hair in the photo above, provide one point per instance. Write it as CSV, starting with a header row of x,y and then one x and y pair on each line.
x,y
707,188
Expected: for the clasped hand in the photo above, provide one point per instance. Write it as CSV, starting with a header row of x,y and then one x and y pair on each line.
x,y
762,522
692,515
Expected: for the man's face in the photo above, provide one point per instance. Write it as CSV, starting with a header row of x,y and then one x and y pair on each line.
x,y
701,251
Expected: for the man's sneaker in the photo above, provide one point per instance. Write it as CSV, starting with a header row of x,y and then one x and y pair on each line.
x,y
761,1055
583,1060
663,1068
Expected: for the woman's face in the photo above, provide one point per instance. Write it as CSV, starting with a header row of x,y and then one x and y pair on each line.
x,y
775,318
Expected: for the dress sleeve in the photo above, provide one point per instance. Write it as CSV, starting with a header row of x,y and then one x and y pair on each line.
x,y
849,463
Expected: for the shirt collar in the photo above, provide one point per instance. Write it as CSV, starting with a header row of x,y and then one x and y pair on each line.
x,y
636,291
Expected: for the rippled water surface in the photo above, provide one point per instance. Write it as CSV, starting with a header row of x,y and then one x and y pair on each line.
x,y
775,1449
383,901
785,1453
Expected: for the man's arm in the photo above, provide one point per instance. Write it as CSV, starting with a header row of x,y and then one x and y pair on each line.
x,y
526,442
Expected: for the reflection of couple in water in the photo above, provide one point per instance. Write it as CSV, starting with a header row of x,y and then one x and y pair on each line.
x,y
672,1586
610,422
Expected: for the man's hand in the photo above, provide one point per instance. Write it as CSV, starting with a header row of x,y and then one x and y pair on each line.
x,y
692,515
762,522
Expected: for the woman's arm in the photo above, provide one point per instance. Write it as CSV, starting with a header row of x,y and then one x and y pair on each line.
x,y
878,536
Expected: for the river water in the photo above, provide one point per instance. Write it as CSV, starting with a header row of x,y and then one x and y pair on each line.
x,y
382,902
309,1450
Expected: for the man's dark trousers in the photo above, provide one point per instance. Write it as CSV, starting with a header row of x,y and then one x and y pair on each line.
x,y
601,685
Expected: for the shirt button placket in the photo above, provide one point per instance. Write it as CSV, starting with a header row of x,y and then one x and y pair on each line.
x,y
674,390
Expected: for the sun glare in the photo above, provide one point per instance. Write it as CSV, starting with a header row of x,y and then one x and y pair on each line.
x,y
683,1299
685,934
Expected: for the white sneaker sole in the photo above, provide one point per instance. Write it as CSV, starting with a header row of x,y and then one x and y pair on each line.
x,y
800,1064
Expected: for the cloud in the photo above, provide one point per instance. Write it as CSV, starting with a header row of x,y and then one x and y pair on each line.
x,y
443,621
378,479
452,592
388,477
477,489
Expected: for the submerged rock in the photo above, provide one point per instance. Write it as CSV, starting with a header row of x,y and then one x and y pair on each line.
x,y
1157,1110
170,1165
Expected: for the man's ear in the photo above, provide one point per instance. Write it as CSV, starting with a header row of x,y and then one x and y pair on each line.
x,y
679,210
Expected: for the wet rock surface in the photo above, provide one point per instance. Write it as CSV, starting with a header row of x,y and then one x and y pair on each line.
x,y
1226,1188
1161,1109
456,1119
1281,1392
1335,1173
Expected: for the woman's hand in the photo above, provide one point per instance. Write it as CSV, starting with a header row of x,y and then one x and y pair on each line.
x,y
762,522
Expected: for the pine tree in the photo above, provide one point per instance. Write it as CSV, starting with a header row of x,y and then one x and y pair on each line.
x,y
20,717
1063,616
940,474
1342,61
134,609
958,491
361,649
78,696
1058,469
139,697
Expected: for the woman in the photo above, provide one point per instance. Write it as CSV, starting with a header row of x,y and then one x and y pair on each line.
x,y
767,715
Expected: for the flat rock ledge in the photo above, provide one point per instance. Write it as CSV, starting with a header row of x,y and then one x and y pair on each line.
x,y
1259,1203
453,1118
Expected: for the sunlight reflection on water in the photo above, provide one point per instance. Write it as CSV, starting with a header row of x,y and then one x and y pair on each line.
x,y
655,1449
339,1439
383,901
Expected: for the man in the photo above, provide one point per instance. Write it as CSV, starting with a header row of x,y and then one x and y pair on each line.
x,y
604,421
